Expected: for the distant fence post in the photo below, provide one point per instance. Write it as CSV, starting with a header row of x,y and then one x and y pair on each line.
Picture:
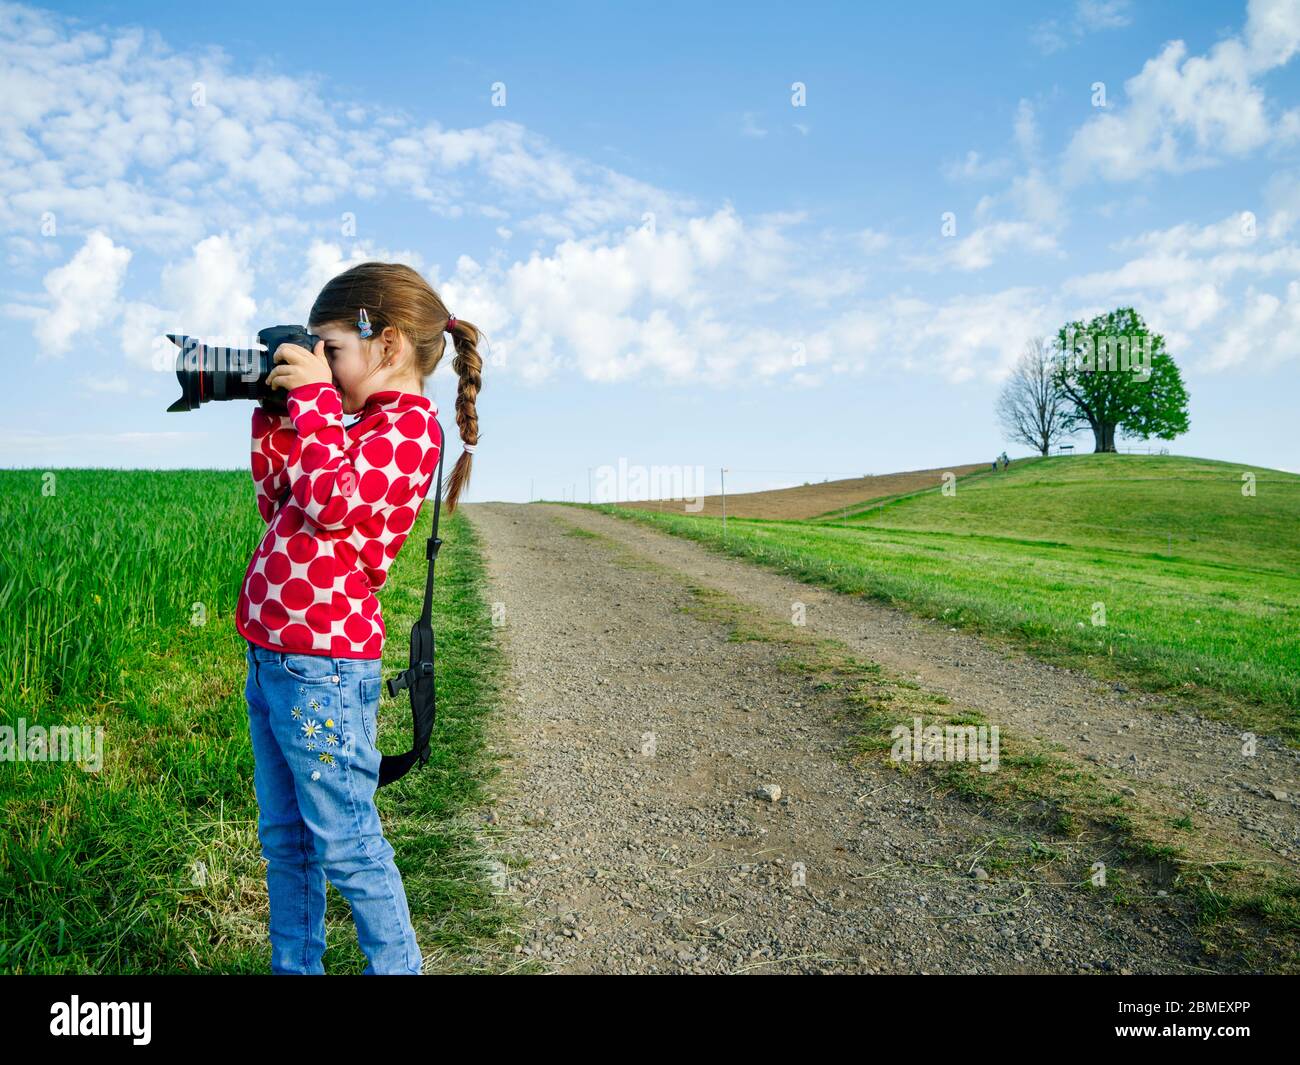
x,y
723,474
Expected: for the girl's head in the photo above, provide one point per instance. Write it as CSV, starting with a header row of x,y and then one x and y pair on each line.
x,y
408,323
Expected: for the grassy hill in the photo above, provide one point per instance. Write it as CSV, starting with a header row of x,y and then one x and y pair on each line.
x,y
1152,567
1186,508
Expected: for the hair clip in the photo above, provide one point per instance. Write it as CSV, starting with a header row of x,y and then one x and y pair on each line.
x,y
363,324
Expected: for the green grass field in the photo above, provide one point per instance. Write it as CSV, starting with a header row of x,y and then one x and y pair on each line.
x,y
1156,568
118,597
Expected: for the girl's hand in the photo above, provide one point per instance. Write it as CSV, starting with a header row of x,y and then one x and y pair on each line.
x,y
296,366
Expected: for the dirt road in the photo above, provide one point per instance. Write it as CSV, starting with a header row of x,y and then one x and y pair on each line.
x,y
640,733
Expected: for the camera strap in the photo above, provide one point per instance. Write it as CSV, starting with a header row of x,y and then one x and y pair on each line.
x,y
418,677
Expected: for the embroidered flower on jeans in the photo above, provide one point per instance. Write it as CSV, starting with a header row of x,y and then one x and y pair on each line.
x,y
328,759
310,728
332,739
297,713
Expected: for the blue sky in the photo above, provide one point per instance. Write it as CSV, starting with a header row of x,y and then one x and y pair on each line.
x,y
675,266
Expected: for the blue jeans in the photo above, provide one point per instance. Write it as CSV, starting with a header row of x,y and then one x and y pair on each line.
x,y
313,721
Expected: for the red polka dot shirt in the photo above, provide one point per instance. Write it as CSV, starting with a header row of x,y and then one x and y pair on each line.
x,y
338,503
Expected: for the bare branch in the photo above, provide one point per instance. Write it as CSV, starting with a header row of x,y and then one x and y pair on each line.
x,y
1032,408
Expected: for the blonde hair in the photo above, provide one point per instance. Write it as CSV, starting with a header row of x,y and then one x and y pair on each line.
x,y
395,295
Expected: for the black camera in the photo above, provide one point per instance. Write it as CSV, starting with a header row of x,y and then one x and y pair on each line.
x,y
216,373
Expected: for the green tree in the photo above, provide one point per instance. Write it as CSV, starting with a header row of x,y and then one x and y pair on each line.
x,y
1117,377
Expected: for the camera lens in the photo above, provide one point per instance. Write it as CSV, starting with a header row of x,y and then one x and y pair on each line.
x,y
218,373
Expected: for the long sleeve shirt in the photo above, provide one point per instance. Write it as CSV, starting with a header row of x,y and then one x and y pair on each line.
x,y
338,503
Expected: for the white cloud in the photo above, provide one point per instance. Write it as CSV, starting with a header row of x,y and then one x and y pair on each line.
x,y
1167,268
988,242
1273,32
1186,112
105,130
22,251
82,294
1192,305
960,339
1089,16
1026,129
626,280
1238,230
1037,199
1026,216
1181,280
971,337
1102,14
975,168
208,294
984,245
1262,334
1282,196
872,241
213,288
683,293
601,299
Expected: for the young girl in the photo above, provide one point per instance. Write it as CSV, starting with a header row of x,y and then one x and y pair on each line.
x,y
339,502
